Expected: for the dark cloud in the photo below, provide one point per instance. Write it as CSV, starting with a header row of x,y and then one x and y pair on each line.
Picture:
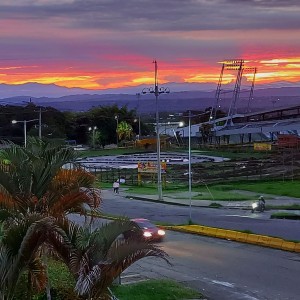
x,y
162,15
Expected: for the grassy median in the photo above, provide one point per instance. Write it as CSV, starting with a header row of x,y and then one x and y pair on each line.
x,y
229,191
155,290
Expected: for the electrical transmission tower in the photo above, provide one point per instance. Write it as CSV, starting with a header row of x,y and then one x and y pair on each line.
x,y
232,65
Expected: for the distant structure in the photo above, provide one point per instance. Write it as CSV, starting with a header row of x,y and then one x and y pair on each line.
x,y
239,66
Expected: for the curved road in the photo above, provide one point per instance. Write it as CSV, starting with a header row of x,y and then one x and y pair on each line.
x,y
220,269
259,223
224,270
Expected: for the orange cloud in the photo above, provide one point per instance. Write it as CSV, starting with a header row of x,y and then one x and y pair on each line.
x,y
133,73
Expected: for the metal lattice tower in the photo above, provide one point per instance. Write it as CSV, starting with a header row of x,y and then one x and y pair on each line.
x,y
239,66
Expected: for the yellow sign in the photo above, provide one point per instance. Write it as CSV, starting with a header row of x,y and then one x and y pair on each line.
x,y
151,167
262,146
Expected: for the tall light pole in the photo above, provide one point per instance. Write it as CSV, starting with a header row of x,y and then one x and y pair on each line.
x,y
30,102
25,128
117,119
139,113
93,129
190,157
157,91
190,169
40,123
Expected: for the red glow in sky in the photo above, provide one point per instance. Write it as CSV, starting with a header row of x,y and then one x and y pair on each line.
x,y
99,44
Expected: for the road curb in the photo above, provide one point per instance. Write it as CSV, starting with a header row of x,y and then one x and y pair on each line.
x,y
232,235
156,201
184,204
248,238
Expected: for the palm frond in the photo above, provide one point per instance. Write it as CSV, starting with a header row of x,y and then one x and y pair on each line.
x,y
37,274
104,256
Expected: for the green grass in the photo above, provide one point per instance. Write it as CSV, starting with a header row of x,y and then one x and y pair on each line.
x,y
220,191
285,216
216,193
61,281
246,231
103,152
151,189
103,185
222,196
281,188
234,154
287,207
155,290
62,288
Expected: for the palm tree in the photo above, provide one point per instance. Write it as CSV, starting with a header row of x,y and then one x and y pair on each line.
x,y
37,192
35,180
19,247
97,257
124,130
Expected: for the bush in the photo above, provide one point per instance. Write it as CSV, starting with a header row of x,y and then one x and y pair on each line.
x,y
61,281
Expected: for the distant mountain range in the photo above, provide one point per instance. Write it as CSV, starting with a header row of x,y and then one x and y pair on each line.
x,y
183,96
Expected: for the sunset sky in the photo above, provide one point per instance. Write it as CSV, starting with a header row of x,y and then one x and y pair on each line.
x,y
100,44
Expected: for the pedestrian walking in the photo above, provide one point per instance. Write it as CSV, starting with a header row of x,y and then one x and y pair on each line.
x,y
116,186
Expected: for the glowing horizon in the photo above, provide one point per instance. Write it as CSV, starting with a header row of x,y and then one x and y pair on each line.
x,y
97,45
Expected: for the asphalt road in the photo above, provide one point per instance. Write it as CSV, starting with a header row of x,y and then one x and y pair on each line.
x,y
220,269
225,270
237,219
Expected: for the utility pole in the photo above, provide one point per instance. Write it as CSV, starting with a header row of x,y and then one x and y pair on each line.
x,y
157,91
139,113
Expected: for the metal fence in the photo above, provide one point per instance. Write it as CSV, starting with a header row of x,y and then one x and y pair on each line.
x,y
283,167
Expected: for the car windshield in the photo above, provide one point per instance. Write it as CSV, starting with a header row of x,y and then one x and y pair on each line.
x,y
145,224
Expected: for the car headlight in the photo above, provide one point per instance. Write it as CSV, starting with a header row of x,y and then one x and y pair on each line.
x,y
161,232
147,234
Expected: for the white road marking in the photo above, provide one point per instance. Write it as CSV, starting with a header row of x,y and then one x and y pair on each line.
x,y
224,283
130,275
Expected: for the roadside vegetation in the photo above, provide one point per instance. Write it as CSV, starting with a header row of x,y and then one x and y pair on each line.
x,y
37,193
277,187
62,288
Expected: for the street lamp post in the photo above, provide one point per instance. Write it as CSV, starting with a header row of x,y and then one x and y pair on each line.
x,y
190,170
25,128
139,114
117,119
157,91
190,157
93,129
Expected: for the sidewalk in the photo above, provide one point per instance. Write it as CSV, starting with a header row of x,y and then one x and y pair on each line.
x,y
183,198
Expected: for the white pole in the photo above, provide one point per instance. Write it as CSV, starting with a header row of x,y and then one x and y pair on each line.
x,y
40,124
190,169
156,92
25,133
138,96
